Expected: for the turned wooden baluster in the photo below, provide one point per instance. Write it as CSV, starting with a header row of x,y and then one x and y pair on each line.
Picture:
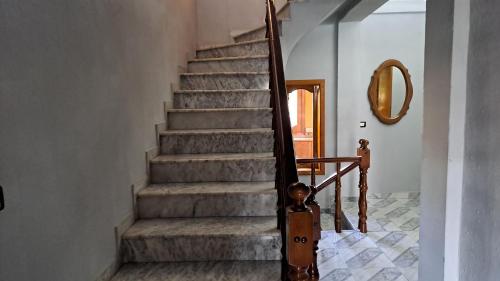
x,y
338,203
364,164
316,210
299,233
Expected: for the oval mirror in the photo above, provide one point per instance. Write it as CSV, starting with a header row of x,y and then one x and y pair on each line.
x,y
390,91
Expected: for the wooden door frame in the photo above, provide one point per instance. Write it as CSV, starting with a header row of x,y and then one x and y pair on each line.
x,y
302,84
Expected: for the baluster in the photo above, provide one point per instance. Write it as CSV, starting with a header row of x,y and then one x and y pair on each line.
x,y
299,233
364,164
338,203
316,210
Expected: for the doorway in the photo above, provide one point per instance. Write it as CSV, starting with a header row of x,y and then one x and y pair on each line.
x,y
306,102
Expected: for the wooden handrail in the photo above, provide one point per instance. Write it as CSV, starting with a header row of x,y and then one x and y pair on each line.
x,y
286,167
333,178
328,160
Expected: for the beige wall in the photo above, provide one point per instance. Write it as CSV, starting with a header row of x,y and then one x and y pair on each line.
x,y
82,84
218,18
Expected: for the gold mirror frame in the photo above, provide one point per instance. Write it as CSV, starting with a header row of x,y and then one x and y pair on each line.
x,y
373,92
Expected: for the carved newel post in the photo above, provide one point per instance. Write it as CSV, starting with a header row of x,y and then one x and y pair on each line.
x,y
313,204
364,153
299,233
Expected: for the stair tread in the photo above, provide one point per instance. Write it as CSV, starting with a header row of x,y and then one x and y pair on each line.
x,y
210,188
189,271
228,58
225,73
203,226
226,109
212,157
216,131
266,91
232,44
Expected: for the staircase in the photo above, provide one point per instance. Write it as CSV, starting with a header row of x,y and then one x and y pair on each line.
x,y
296,19
210,211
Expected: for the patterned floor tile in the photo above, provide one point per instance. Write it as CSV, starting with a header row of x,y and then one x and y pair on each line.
x,y
378,274
408,258
365,258
341,274
411,273
388,252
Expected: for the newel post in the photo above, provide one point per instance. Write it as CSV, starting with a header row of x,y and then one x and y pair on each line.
x,y
316,210
299,233
364,164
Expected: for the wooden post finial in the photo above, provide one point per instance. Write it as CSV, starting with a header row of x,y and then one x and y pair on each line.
x,y
364,143
299,192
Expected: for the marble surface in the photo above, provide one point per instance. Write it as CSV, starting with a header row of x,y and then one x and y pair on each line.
x,y
250,48
225,81
389,251
217,141
255,34
202,239
207,199
230,64
213,167
349,256
222,99
228,118
202,271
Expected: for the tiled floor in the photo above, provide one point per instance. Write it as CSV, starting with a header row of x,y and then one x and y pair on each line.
x,y
388,252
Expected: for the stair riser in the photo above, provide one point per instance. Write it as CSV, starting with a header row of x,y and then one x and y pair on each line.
x,y
222,100
202,248
217,170
254,49
238,65
217,143
220,120
255,35
225,82
207,205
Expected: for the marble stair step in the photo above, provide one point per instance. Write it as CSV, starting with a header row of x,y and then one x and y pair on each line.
x,y
216,141
256,33
224,81
258,47
213,167
210,199
202,239
242,98
201,271
219,118
230,64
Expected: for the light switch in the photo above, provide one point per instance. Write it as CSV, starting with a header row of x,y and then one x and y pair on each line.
x,y
362,124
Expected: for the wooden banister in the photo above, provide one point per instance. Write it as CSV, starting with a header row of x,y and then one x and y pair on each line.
x,y
298,211
286,168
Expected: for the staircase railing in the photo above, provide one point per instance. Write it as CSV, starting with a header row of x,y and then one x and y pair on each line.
x,y
304,217
298,212
286,169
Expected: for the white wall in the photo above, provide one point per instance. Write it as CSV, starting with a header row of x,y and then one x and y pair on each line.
x,y
218,18
314,58
396,149
81,87
480,247
436,127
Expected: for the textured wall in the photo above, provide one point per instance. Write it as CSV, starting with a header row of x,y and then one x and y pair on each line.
x,y
218,18
396,149
81,86
480,247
